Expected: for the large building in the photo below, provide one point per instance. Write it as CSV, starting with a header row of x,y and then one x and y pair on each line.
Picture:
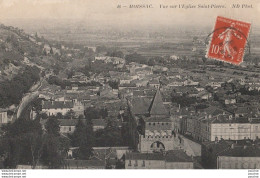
x,y
68,126
226,128
203,127
55,107
175,159
151,127
239,157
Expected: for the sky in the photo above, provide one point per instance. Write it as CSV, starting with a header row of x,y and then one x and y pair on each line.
x,y
105,12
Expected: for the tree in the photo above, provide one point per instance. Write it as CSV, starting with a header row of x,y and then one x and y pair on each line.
x,y
79,133
70,115
110,136
51,51
59,115
55,146
44,52
113,84
52,127
103,113
115,53
86,146
83,137
51,152
135,57
21,143
35,142
91,113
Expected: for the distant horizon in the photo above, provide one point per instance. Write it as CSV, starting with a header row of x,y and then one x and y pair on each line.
x,y
105,14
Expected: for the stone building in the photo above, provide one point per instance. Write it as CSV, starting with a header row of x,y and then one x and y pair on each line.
x,y
151,127
175,159
239,157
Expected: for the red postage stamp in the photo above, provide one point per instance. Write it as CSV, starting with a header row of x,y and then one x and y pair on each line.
x,y
229,40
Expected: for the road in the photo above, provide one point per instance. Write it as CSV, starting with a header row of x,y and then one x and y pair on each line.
x,y
29,97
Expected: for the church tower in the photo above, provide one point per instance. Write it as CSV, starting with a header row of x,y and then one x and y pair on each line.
x,y
157,135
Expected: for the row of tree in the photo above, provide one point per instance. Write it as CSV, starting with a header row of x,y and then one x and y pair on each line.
x,y
24,142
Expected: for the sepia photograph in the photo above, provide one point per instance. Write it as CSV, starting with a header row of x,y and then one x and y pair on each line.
x,y
129,84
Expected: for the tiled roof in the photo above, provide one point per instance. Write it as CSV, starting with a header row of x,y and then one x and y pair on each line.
x,y
242,151
154,81
56,104
84,163
170,156
157,119
145,156
157,107
140,105
74,122
177,156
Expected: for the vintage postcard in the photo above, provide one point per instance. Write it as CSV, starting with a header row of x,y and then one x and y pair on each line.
x,y
129,84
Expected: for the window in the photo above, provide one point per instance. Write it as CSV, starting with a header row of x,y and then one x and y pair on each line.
x,y
153,123
149,123
162,123
69,128
129,164
143,165
166,123
136,163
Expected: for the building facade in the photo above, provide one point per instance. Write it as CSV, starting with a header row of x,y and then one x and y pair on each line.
x,y
154,128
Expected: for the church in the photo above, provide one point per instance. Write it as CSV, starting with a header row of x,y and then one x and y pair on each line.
x,y
151,128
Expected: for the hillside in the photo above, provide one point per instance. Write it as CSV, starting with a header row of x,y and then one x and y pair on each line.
x,y
24,59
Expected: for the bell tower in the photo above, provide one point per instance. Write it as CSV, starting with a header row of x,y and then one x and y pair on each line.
x,y
158,135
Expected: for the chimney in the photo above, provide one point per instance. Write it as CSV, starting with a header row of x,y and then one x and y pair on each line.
x,y
232,146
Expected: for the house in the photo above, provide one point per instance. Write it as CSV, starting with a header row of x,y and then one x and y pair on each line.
x,y
98,124
215,82
176,83
210,151
204,95
3,117
154,83
129,86
174,159
239,157
68,126
140,83
78,107
125,80
227,128
230,99
84,164
190,82
74,87
54,107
